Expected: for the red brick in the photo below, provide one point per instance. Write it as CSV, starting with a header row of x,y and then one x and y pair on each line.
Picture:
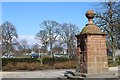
x,y
96,56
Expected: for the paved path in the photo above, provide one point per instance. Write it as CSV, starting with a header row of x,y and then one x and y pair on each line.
x,y
45,73
36,74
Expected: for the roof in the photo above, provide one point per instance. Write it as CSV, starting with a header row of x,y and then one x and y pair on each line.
x,y
91,29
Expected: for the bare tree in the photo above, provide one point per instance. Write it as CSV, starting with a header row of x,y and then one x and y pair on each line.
x,y
24,45
0,34
57,49
68,32
43,49
35,48
49,33
8,33
108,18
0,42
42,37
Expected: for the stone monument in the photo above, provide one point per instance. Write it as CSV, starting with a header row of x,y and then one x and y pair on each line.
x,y
91,48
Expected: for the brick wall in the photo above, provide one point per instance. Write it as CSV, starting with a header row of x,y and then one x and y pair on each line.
x,y
96,54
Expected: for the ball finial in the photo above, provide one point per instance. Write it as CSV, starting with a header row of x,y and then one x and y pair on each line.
x,y
90,14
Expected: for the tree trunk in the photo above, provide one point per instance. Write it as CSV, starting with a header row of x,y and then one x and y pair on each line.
x,y
113,56
51,54
113,51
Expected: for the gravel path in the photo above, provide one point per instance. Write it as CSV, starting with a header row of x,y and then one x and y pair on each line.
x,y
46,73
36,74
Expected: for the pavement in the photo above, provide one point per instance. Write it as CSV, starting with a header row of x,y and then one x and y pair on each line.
x,y
36,74
53,73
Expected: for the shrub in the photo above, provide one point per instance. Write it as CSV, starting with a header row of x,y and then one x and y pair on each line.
x,y
5,61
23,66
9,67
65,65
48,60
111,63
35,64
61,59
47,66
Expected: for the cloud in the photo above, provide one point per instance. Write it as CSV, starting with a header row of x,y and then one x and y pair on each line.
x,y
29,38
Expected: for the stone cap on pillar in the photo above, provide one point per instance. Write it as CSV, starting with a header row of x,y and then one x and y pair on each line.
x,y
90,27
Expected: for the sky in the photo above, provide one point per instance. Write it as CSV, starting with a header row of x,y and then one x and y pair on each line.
x,y
27,16
55,0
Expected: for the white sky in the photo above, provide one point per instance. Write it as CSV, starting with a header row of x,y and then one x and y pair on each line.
x,y
29,38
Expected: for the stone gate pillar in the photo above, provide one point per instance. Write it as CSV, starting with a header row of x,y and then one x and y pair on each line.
x,y
92,45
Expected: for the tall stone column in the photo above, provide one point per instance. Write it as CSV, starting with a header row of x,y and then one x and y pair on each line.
x,y
92,43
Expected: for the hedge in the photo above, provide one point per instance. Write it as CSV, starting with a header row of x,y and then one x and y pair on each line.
x,y
61,59
37,66
46,60
5,61
49,60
